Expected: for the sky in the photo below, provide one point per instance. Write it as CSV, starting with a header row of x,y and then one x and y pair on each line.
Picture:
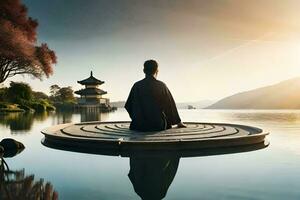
x,y
206,49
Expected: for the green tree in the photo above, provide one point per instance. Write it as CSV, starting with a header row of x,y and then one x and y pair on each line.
x,y
66,94
54,92
3,94
39,95
61,94
19,92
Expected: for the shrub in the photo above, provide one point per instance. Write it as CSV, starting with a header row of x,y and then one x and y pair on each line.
x,y
3,105
4,110
26,108
47,105
3,94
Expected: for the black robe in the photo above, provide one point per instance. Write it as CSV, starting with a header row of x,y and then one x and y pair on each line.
x,y
151,106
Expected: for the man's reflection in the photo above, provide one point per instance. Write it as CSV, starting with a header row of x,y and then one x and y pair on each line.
x,y
152,176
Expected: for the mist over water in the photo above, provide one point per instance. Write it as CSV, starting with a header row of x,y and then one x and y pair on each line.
x,y
270,173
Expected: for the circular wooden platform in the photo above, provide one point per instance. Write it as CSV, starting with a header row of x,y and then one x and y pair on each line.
x,y
99,136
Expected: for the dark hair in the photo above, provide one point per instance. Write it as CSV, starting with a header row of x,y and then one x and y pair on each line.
x,y
150,67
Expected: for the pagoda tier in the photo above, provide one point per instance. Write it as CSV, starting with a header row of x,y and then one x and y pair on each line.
x,y
90,91
91,81
91,94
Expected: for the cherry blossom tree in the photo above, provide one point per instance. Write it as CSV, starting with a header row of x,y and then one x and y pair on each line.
x,y
20,52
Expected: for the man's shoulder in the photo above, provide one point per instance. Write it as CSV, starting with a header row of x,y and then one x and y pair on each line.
x,y
144,81
160,82
140,82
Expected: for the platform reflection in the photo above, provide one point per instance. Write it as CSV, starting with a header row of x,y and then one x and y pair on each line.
x,y
153,171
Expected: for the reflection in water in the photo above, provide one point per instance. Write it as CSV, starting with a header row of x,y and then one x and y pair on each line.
x,y
24,122
278,116
152,172
245,174
15,185
93,115
151,177
17,121
21,121
63,117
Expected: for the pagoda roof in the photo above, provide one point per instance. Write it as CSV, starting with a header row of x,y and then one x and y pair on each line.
x,y
91,81
90,91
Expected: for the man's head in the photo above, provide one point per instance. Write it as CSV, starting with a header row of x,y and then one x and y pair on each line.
x,y
150,68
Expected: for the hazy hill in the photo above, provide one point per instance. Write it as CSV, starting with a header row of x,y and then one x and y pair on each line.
x,y
284,95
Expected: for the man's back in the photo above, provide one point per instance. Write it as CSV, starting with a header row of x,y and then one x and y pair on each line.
x,y
151,106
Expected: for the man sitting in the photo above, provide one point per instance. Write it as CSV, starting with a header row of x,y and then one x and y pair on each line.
x,y
150,103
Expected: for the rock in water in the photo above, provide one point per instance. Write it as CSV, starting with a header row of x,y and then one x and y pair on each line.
x,y
1,152
11,147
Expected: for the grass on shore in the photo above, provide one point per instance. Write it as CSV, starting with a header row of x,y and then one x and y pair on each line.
x,y
7,107
40,106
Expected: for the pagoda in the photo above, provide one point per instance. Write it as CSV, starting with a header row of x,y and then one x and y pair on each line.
x,y
91,95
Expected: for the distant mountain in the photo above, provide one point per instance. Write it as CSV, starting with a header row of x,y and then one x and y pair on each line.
x,y
284,95
185,105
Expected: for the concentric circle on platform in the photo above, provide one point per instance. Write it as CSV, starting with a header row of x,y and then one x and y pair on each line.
x,y
117,136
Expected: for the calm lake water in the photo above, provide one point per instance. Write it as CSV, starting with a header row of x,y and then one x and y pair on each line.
x,y
270,173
